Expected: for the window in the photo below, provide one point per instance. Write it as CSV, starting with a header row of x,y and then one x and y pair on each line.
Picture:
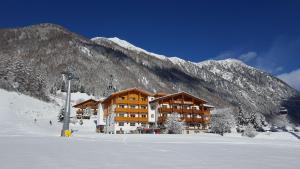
x,y
122,98
143,99
152,115
121,106
132,98
132,124
143,107
132,106
121,123
121,115
185,107
164,106
132,115
143,115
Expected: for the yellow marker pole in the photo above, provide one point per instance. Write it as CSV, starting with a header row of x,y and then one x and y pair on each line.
x,y
67,133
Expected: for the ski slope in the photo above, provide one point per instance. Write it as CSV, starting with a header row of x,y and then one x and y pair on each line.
x,y
25,144
18,111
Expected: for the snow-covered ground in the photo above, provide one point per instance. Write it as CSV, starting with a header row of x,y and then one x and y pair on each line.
x,y
25,144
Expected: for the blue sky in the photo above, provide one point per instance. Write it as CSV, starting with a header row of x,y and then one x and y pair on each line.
x,y
264,34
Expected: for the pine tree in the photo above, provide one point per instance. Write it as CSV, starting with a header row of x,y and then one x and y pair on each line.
x,y
82,89
61,115
63,87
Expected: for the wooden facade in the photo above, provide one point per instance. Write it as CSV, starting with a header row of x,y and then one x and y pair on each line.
x,y
86,108
133,109
130,105
192,110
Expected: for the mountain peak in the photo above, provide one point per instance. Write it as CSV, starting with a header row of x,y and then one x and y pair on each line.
x,y
124,44
225,62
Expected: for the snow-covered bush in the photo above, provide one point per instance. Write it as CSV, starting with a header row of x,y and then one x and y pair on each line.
x,y
296,129
240,129
173,124
288,128
250,131
274,128
222,123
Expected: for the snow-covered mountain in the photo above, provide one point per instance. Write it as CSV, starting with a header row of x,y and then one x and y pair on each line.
x,y
32,59
127,45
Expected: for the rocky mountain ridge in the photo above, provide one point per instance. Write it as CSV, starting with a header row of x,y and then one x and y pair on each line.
x,y
38,54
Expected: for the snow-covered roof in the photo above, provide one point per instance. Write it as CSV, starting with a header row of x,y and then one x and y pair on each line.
x,y
95,102
127,90
209,106
179,93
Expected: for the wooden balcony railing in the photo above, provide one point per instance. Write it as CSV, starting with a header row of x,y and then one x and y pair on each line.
x,y
131,119
130,110
189,111
180,102
138,102
187,120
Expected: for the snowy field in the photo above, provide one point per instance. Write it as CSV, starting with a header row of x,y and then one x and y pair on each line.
x,y
25,144
147,151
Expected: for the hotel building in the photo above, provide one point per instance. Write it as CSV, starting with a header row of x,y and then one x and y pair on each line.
x,y
135,110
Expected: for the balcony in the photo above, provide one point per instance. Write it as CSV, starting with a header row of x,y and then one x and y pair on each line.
x,y
189,111
193,120
130,110
139,102
131,119
180,102
187,120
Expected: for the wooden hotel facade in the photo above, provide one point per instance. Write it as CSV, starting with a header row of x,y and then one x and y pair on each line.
x,y
192,110
134,110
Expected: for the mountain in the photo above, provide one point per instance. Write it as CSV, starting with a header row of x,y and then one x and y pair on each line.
x,y
33,58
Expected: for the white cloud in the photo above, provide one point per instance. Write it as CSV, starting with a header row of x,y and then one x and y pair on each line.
x,y
292,78
279,69
226,55
283,52
246,57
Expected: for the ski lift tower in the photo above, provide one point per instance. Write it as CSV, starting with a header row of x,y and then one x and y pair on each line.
x,y
109,90
68,75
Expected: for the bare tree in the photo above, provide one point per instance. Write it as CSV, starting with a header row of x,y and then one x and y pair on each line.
x,y
173,124
222,122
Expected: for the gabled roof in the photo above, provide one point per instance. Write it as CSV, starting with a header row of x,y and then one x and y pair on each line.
x,y
127,90
177,94
86,101
160,94
208,106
